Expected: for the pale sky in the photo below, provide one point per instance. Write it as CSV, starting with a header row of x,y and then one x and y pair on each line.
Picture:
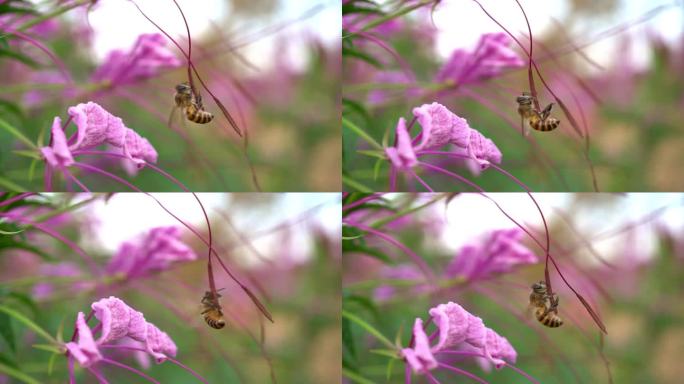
x,y
117,24
471,215
461,22
127,215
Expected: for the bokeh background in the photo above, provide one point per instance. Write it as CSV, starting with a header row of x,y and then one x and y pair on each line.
x,y
625,87
285,247
623,253
274,64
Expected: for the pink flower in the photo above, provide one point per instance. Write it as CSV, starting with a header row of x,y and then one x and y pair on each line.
x,y
85,351
499,252
118,321
491,56
458,330
402,156
441,127
155,251
145,59
96,126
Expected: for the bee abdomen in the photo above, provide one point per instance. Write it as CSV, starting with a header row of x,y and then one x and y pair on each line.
x,y
545,125
198,116
549,319
215,323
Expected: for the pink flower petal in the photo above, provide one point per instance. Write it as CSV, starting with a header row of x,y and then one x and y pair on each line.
x,y
420,357
85,351
115,316
159,344
58,154
439,125
402,156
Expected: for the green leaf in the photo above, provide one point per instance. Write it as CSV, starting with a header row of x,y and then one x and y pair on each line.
x,y
355,377
17,374
358,54
27,60
28,323
11,107
7,332
348,339
11,186
368,328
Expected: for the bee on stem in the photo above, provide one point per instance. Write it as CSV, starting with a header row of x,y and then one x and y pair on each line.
x,y
547,315
211,310
531,117
191,103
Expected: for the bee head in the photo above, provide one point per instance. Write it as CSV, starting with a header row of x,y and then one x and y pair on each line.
x,y
183,88
539,287
524,99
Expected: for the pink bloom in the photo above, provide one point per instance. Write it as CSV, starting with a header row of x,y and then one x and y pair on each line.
x,y
458,330
118,321
441,127
500,252
148,56
420,357
402,156
155,251
57,154
85,351
96,126
491,56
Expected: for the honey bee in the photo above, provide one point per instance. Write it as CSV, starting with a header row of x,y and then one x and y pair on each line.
x,y
191,103
545,315
211,310
531,117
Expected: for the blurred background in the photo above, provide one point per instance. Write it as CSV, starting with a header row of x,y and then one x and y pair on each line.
x,y
284,247
616,65
623,253
273,64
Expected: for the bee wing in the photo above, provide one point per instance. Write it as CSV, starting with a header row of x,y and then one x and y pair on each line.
x,y
525,126
545,113
177,114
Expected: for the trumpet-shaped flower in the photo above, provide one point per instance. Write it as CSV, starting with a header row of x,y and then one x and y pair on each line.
x,y
95,127
118,321
458,330
148,56
491,56
441,127
155,251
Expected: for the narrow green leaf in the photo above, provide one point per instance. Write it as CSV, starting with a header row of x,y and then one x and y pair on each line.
x,y
11,186
369,328
28,323
355,377
7,332
21,376
348,338
361,133
355,184
17,133
49,348
51,363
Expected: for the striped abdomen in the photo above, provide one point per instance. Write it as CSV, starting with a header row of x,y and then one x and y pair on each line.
x,y
550,319
214,318
549,124
198,115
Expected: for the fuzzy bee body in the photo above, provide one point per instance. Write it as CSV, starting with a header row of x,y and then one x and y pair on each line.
x,y
549,319
211,310
540,121
186,99
547,315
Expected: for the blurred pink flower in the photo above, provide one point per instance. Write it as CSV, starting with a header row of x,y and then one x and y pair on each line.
x,y
499,252
155,251
400,272
491,56
44,290
145,59
441,127
380,95
96,126
458,330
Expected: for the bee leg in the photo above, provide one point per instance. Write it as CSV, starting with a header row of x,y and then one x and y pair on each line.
x,y
173,110
546,112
